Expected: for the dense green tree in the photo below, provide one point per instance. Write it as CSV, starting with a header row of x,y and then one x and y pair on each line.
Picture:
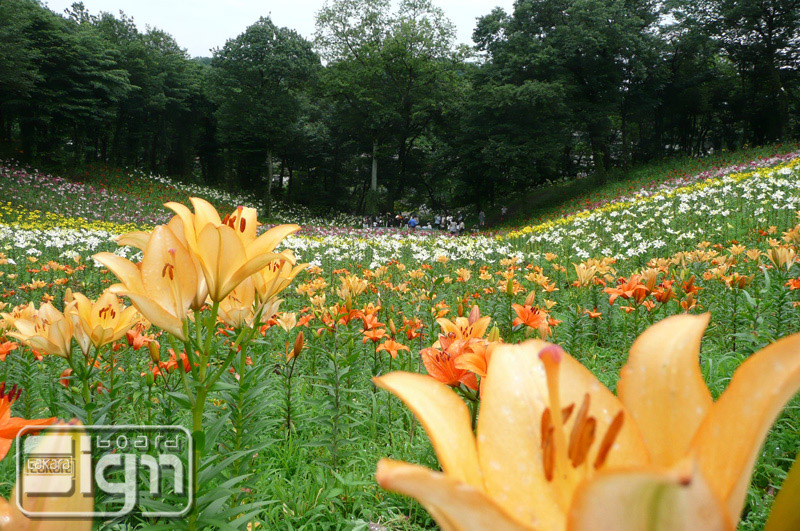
x,y
257,81
391,71
762,39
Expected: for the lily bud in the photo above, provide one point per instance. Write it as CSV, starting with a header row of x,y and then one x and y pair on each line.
x,y
474,314
494,335
149,379
392,328
460,310
530,298
298,344
509,287
155,351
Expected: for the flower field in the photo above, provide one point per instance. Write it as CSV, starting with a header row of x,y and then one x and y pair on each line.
x,y
276,346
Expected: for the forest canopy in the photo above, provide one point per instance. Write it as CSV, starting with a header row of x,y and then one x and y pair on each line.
x,y
383,109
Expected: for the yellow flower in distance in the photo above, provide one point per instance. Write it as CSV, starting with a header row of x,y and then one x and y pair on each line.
x,y
163,286
557,450
287,321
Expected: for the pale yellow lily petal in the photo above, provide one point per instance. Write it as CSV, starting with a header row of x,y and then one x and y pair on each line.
x,y
514,397
26,328
446,420
729,439
454,505
647,499
204,214
187,222
126,271
267,242
244,220
662,386
784,514
136,239
176,225
479,327
157,315
168,273
248,269
220,252
448,327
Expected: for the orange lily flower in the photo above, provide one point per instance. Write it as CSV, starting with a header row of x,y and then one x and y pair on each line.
x,y
529,316
10,426
5,349
440,363
392,347
413,328
374,335
690,288
631,288
370,321
593,314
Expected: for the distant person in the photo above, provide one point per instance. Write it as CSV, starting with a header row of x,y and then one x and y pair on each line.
x,y
482,218
461,227
412,223
503,212
437,220
453,227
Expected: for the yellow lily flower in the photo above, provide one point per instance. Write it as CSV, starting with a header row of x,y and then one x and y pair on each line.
x,y
465,328
287,321
276,276
163,286
48,331
226,254
103,321
663,389
19,312
555,449
224,260
243,221
193,223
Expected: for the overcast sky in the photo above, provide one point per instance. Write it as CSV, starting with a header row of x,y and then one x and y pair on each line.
x,y
200,25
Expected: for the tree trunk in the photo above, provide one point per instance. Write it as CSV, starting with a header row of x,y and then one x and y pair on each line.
x,y
270,175
374,182
289,187
372,195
